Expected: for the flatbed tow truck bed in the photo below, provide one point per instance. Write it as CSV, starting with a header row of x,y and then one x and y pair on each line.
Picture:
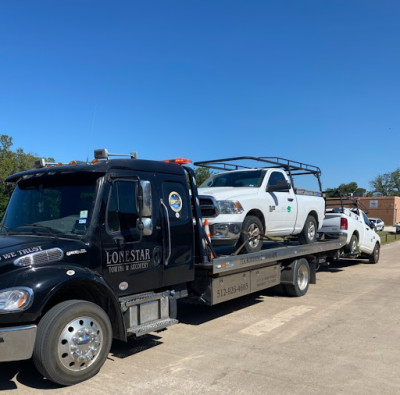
x,y
228,277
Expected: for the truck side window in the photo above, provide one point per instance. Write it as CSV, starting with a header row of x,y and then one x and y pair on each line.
x,y
122,212
366,220
275,177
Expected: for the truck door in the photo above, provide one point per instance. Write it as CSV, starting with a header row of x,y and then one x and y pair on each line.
x,y
282,207
369,235
177,225
132,258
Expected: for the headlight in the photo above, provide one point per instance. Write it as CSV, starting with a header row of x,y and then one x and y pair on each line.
x,y
15,299
229,207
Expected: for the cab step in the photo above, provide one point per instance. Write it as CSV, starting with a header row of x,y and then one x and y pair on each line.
x,y
148,312
152,326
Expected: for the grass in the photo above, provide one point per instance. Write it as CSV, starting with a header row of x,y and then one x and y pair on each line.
x,y
388,237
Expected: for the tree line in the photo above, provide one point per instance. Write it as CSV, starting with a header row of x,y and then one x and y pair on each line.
x,y
11,162
387,184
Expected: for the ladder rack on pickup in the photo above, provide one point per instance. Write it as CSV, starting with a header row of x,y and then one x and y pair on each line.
x,y
344,201
292,168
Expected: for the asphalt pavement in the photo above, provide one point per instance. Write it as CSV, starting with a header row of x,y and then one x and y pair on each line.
x,y
342,337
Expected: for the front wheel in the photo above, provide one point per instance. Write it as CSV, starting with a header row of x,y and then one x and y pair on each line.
x,y
73,341
251,235
309,233
374,257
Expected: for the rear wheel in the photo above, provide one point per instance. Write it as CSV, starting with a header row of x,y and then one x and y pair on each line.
x,y
351,248
251,235
374,257
301,278
309,233
72,343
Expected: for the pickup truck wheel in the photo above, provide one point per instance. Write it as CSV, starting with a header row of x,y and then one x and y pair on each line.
x,y
374,257
301,278
72,342
351,248
251,235
309,233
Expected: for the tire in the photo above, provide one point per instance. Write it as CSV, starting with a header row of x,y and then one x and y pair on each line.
x,y
309,233
72,342
302,275
251,225
374,257
351,248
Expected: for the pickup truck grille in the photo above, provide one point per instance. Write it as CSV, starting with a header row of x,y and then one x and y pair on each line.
x,y
208,206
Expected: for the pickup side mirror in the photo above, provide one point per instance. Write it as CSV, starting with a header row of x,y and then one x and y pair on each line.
x,y
280,186
372,225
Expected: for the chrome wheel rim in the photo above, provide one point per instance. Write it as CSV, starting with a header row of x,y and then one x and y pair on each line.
x,y
311,231
80,344
354,247
254,235
303,277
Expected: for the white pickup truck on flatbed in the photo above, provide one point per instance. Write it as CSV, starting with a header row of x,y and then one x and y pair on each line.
x,y
351,221
244,204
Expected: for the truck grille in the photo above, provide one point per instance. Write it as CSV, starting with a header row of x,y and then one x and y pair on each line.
x,y
208,206
37,258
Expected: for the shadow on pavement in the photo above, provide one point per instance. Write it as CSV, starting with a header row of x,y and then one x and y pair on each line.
x,y
197,314
122,350
23,372
336,267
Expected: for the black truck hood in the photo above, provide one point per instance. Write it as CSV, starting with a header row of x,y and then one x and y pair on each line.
x,y
14,247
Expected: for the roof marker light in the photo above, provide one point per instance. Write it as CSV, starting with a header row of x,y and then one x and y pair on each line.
x,y
179,161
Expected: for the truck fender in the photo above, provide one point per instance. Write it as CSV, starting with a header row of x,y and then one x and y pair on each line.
x,y
85,285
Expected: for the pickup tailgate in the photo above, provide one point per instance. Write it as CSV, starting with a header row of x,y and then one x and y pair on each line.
x,y
331,223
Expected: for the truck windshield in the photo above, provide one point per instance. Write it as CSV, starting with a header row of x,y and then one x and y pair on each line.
x,y
60,206
251,178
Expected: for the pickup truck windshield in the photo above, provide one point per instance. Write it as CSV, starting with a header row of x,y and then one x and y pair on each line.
x,y
251,178
59,207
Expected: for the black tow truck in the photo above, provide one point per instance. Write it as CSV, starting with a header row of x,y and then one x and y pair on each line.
x,y
104,250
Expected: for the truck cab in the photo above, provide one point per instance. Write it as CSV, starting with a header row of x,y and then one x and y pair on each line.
x,y
118,234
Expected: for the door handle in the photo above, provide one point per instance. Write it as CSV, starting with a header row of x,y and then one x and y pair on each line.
x,y
290,199
168,232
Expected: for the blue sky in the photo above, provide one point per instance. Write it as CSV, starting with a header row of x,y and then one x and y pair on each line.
x,y
316,81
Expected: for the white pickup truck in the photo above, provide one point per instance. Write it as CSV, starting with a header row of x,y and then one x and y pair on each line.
x,y
361,238
244,204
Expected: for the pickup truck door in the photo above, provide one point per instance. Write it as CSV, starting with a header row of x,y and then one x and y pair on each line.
x,y
369,235
281,207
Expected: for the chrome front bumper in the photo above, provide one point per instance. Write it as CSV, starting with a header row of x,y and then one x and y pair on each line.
x,y
225,233
17,343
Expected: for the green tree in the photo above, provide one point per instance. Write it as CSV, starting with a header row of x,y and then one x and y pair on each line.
x,y
202,173
395,182
10,163
387,184
346,189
